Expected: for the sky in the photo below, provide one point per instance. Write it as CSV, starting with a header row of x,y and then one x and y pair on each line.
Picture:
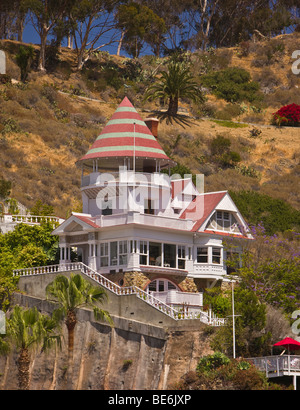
x,y
30,36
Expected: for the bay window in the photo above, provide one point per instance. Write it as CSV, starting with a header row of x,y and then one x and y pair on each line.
x,y
123,253
216,255
143,252
104,254
202,255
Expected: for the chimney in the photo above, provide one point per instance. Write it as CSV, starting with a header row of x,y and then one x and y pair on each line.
x,y
152,124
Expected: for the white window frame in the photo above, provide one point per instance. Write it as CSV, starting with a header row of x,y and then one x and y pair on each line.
x,y
181,255
142,246
104,254
219,249
123,252
203,254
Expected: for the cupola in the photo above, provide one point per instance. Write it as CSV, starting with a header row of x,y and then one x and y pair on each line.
x,y
126,140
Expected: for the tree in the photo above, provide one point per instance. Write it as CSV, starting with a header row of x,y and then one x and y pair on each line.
x,y
73,293
30,329
24,58
250,336
5,189
148,27
45,15
41,209
175,83
92,20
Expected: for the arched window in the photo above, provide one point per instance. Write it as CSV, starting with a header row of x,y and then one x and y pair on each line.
x,y
161,285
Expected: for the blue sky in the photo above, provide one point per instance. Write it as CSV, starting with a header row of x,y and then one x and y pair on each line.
x,y
30,36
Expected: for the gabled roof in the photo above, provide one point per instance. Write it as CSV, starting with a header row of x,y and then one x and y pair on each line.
x,y
202,207
125,135
83,221
181,187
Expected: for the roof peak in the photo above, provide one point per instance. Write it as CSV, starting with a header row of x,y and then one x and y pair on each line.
x,y
126,139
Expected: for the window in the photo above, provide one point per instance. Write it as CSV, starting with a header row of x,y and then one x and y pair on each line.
x,y
143,252
106,206
169,255
104,254
216,255
181,257
161,285
149,206
155,253
202,255
223,220
113,253
123,253
132,246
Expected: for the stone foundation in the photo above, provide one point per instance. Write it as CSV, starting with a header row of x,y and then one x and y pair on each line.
x,y
141,280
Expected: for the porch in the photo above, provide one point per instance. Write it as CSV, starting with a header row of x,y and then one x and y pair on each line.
x,y
277,366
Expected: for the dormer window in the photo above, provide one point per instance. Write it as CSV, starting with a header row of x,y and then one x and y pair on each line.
x,y
224,220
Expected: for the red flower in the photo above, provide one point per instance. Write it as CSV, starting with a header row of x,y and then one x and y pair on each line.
x,y
288,115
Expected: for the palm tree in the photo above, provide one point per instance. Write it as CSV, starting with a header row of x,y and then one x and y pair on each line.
x,y
73,293
175,83
28,329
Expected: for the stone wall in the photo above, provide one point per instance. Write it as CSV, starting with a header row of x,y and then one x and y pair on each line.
x,y
141,280
130,356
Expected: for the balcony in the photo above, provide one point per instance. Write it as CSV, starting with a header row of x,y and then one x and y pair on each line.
x,y
135,217
209,270
125,178
178,299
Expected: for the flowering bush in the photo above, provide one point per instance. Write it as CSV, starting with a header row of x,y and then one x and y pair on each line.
x,y
288,115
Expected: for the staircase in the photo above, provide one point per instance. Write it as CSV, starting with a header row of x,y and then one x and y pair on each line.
x,y
183,314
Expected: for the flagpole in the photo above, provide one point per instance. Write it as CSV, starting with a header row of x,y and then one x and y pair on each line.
x,y
134,147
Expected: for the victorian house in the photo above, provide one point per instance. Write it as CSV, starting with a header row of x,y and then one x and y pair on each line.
x,y
139,225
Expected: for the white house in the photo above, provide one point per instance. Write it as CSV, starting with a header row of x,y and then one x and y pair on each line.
x,y
140,226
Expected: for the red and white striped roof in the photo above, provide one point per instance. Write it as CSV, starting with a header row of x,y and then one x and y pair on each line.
x,y
126,136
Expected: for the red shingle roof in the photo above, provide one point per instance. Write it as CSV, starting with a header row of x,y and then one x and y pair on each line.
x,y
201,207
126,135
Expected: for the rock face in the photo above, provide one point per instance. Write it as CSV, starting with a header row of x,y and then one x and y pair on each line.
x,y
131,356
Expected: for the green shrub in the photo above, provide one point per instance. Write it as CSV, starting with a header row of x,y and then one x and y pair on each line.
x,y
24,59
221,154
10,126
212,362
275,214
5,79
233,85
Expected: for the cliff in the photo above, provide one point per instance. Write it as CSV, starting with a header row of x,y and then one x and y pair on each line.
x,y
130,356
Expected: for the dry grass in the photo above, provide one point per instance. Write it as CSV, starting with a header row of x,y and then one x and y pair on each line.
x,y
57,129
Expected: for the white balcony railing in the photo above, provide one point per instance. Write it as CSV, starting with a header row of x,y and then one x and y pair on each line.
x,y
175,297
126,178
135,217
206,269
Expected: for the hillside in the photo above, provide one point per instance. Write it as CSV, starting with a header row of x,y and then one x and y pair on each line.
x,y
49,122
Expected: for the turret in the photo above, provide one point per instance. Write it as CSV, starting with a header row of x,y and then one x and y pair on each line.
x,y
124,155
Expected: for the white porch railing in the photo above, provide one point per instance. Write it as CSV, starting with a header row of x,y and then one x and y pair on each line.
x,y
118,290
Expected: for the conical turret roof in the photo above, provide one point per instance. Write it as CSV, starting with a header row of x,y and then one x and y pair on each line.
x,y
126,136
